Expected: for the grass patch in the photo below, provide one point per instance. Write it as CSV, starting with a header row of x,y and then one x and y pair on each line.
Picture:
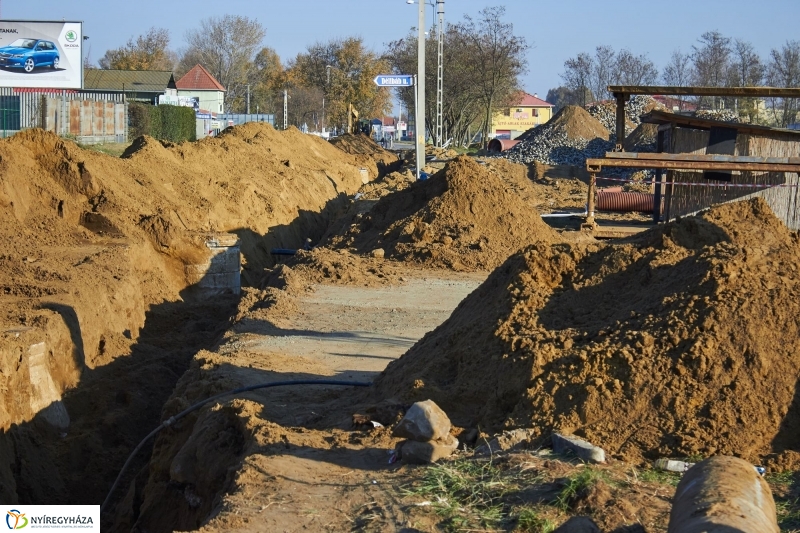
x,y
782,478
652,475
481,494
531,520
578,483
465,493
788,512
112,149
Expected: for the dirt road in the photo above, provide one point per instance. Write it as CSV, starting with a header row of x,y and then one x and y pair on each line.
x,y
297,463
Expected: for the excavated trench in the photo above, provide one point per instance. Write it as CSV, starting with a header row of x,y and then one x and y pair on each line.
x,y
98,326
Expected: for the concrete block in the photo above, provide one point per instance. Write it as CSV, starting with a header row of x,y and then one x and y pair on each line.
x,y
424,421
569,444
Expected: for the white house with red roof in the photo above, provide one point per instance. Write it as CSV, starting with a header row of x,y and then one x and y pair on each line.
x,y
528,112
199,83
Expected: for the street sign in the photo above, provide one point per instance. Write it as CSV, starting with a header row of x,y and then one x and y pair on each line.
x,y
389,80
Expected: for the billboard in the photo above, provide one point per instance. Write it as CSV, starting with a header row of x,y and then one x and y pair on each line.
x,y
47,55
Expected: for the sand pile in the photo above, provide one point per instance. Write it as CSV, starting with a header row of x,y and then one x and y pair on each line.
x,y
467,217
681,341
94,314
576,123
643,138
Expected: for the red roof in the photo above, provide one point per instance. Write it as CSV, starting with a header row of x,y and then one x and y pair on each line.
x,y
19,90
199,79
532,101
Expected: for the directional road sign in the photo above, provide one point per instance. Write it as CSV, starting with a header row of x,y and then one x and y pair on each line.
x,y
398,80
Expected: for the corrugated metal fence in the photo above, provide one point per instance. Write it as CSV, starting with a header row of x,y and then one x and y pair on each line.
x,y
88,117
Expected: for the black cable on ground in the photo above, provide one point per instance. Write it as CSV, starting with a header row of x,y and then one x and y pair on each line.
x,y
171,420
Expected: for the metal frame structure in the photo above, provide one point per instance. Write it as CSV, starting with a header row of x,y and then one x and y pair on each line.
x,y
440,71
680,162
622,93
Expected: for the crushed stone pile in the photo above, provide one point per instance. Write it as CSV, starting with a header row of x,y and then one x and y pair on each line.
x,y
678,342
466,217
639,104
723,115
569,138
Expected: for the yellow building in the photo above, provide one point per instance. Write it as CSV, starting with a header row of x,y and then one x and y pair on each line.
x,y
529,112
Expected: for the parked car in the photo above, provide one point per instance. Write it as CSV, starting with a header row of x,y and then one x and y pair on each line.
x,y
28,54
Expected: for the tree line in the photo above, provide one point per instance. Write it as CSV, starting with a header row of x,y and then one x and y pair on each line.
x,y
483,62
713,61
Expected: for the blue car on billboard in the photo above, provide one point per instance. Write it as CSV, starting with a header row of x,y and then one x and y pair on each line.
x,y
28,54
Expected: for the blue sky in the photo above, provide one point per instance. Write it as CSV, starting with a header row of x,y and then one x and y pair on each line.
x,y
556,30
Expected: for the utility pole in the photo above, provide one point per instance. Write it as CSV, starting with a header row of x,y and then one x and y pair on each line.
x,y
440,71
248,98
419,113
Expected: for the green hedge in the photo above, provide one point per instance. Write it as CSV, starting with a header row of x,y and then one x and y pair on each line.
x,y
165,122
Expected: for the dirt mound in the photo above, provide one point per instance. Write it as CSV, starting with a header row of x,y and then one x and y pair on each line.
x,y
94,277
467,217
642,139
664,345
577,123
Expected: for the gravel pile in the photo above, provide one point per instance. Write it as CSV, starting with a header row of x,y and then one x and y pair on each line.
x,y
553,147
723,115
638,105
567,139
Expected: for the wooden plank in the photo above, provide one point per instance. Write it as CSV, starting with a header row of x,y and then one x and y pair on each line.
x,y
706,91
703,157
594,165
664,117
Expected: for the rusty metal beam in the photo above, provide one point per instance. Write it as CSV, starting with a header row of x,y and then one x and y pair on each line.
x,y
705,91
596,165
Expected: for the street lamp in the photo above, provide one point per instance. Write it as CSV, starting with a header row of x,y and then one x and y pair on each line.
x,y
439,62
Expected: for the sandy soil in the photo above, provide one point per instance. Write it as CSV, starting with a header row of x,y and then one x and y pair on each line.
x,y
342,332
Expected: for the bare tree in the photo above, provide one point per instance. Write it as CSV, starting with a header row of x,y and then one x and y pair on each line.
x,y
634,70
678,73
498,59
603,71
746,70
577,76
147,52
226,46
711,60
784,71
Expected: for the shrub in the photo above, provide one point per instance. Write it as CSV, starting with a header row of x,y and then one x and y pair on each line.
x,y
165,122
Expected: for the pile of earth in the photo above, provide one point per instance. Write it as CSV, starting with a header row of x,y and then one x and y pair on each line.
x,y
466,217
680,341
367,151
93,274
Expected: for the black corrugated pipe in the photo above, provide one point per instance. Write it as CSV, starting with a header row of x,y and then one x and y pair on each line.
x,y
171,420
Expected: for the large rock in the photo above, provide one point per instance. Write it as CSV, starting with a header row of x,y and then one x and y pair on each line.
x,y
415,452
423,422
